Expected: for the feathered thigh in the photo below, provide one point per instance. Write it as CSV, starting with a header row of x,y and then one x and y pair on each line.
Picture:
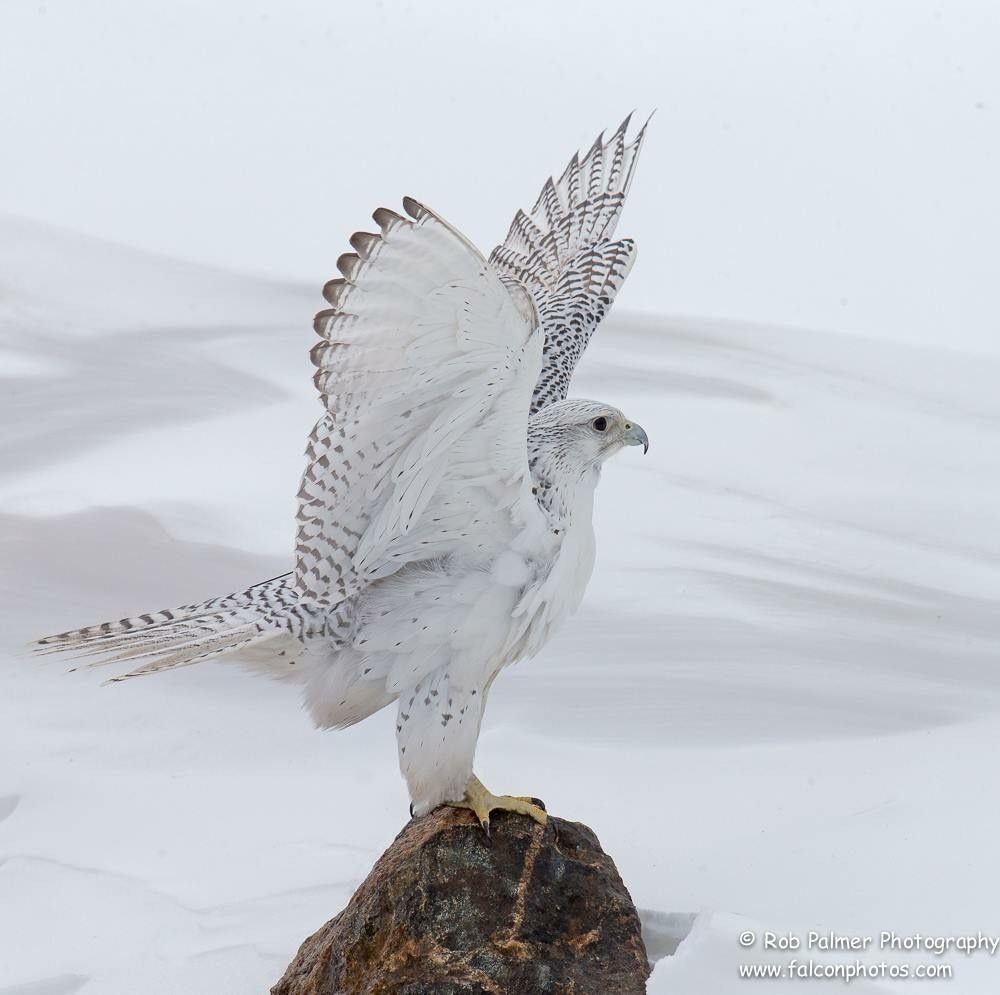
x,y
433,638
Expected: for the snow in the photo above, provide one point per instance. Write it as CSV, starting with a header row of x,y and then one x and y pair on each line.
x,y
778,706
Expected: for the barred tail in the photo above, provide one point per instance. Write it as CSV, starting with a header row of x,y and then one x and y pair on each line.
x,y
181,636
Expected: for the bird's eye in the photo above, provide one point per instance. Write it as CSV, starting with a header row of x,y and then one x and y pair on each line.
x,y
600,424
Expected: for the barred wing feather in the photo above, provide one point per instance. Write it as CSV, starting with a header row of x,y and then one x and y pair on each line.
x,y
426,364
565,254
429,360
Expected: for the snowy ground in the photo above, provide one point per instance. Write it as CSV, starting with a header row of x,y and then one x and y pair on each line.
x,y
778,707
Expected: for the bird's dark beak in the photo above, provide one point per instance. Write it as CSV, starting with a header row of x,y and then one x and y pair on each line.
x,y
635,435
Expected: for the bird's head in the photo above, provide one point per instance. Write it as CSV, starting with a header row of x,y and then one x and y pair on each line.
x,y
585,433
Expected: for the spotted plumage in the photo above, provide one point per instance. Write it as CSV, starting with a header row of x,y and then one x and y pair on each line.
x,y
444,527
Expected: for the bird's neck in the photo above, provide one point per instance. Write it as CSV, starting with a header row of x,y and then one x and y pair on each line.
x,y
567,499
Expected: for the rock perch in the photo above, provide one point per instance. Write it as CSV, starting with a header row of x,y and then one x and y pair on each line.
x,y
447,910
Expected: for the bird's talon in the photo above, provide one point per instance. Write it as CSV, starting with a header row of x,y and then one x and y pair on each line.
x,y
482,801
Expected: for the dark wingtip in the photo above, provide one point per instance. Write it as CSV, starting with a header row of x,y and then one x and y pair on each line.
x,y
623,127
348,264
364,243
334,289
645,125
386,219
322,319
414,208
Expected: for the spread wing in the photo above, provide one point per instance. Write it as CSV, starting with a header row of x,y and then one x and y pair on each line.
x,y
564,252
426,363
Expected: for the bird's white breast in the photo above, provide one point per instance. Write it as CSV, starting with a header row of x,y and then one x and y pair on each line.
x,y
557,593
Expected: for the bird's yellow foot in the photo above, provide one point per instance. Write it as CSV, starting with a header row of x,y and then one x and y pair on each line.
x,y
482,801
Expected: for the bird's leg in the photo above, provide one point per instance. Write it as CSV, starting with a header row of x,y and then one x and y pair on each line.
x,y
482,801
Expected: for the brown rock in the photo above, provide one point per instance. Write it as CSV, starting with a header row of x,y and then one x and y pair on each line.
x,y
447,910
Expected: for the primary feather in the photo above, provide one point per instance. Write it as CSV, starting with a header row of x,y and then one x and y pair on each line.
x,y
565,254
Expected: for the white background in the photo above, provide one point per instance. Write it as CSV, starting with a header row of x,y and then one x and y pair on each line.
x,y
827,164
778,706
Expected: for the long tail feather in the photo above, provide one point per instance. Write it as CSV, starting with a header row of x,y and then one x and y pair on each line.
x,y
178,637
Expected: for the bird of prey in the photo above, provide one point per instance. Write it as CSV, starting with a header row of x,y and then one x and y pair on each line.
x,y
445,513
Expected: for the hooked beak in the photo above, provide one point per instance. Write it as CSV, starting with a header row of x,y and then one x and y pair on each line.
x,y
635,436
